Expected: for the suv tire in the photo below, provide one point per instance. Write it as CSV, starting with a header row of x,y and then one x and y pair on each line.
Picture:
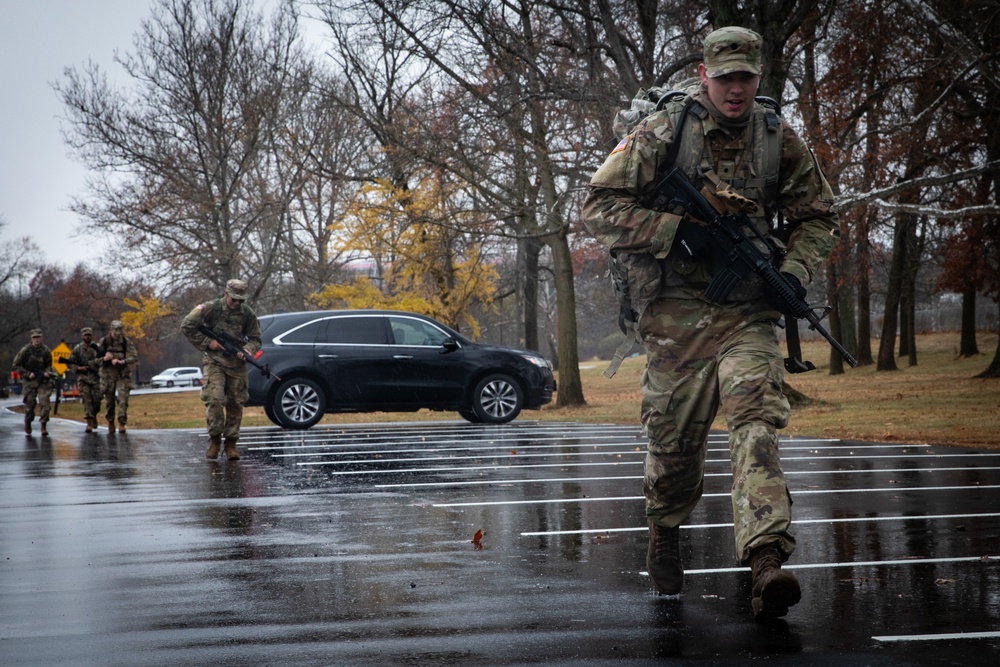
x,y
299,403
497,399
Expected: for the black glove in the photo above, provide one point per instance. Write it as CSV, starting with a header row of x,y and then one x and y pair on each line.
x,y
774,299
691,240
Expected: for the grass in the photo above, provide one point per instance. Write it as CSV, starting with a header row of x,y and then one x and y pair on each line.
x,y
936,402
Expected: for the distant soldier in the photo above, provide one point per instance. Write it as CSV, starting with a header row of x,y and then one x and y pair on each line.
x,y
224,387
118,357
34,363
86,360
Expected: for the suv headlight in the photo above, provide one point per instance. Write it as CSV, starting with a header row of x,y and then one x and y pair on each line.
x,y
541,362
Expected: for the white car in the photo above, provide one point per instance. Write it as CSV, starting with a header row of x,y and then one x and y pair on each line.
x,y
182,376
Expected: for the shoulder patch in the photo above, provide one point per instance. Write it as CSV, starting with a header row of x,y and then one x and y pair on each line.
x,y
622,145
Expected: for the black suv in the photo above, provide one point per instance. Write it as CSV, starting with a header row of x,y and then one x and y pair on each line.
x,y
391,361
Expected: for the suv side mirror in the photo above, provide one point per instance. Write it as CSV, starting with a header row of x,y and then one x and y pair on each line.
x,y
449,344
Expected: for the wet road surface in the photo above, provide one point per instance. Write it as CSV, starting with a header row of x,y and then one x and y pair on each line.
x,y
355,546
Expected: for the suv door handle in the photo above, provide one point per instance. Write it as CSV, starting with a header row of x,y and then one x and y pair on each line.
x,y
327,356
402,356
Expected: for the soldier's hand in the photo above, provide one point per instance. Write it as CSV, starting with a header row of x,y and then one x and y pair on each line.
x,y
213,344
31,376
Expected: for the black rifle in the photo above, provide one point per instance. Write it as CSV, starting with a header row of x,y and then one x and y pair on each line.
x,y
232,348
741,257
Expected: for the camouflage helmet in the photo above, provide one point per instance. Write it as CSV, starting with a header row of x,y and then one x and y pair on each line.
x,y
117,324
732,49
36,333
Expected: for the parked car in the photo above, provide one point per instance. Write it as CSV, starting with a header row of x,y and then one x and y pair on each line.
x,y
390,361
182,376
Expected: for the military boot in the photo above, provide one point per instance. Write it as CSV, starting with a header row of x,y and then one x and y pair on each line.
x,y
232,453
774,589
663,559
111,425
27,427
45,431
121,428
214,444
91,425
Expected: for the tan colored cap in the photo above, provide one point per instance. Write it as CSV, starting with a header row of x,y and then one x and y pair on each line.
x,y
236,289
732,49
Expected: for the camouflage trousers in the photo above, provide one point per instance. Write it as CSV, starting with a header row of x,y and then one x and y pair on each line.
x,y
224,393
90,397
116,387
36,393
701,357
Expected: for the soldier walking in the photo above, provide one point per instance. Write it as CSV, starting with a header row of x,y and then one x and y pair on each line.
x,y
703,356
86,360
224,386
118,359
34,364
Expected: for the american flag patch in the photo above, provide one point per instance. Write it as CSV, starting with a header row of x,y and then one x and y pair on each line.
x,y
621,144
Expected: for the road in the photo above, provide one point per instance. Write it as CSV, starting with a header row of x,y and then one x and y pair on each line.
x,y
355,545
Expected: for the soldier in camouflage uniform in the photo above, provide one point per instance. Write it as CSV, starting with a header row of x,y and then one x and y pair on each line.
x,y
118,360
34,364
703,355
224,387
86,361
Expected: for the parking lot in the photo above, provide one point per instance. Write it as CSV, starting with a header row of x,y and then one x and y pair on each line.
x,y
445,543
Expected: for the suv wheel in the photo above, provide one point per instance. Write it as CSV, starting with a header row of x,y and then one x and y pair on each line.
x,y
299,403
497,399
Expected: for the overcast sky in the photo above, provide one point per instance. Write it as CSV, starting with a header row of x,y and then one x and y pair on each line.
x,y
38,40
38,177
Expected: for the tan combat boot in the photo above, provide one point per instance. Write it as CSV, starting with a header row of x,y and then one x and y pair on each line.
x,y
231,452
663,559
214,444
27,427
774,589
111,425
91,425
45,431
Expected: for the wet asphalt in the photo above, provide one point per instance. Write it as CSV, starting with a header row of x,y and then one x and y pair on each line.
x,y
355,545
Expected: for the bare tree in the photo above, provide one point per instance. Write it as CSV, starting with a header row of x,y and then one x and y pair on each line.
x,y
173,158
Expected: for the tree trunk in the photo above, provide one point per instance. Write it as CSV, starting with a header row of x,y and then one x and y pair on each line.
x,y
528,307
967,346
993,370
893,295
832,279
570,386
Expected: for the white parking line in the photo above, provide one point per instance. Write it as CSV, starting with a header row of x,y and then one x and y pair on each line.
x,y
562,464
549,501
865,563
556,480
702,526
943,635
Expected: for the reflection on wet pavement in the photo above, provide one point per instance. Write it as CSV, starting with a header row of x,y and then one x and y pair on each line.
x,y
445,542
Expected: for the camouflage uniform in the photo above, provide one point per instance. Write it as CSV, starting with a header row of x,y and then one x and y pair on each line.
x,y
701,355
116,379
86,362
34,364
224,387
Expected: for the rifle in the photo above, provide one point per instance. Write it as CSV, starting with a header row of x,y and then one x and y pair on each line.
x,y
232,348
743,257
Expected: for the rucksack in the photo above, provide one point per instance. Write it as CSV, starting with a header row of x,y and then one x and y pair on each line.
x,y
629,273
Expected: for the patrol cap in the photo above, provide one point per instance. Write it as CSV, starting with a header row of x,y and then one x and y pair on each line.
x,y
36,333
86,330
732,49
116,324
236,289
